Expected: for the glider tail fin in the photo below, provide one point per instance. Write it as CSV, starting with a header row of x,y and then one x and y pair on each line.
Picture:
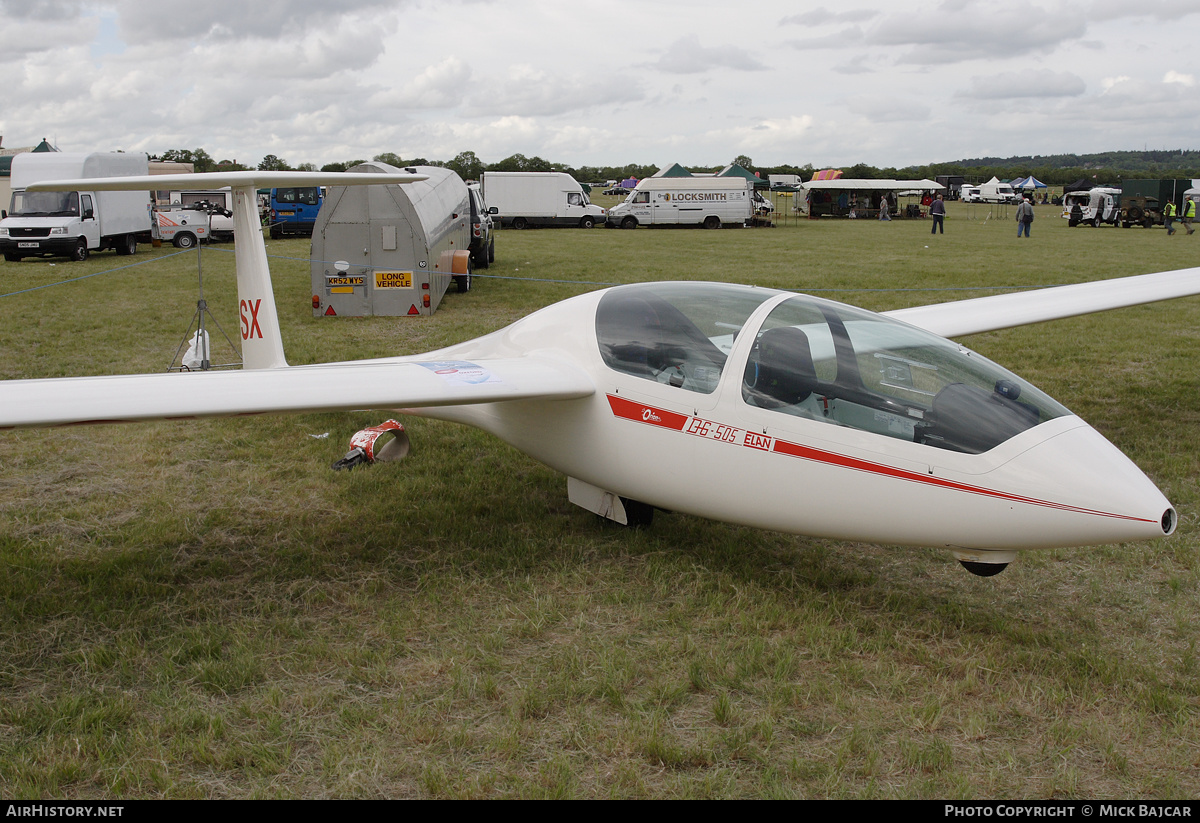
x,y
262,344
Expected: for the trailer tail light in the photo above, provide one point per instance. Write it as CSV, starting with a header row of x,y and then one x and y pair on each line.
x,y
316,301
425,300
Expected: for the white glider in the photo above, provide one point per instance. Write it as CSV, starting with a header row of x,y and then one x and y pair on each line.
x,y
818,418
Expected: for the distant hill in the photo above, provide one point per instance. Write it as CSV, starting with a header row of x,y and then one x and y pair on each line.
x,y
1059,169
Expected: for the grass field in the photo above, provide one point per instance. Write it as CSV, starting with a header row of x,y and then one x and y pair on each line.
x,y
204,609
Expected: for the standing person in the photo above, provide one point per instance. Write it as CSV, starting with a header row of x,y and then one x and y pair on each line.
x,y
1189,213
1024,217
1169,218
883,208
938,210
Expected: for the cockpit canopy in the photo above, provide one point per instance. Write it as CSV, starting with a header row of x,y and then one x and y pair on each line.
x,y
819,360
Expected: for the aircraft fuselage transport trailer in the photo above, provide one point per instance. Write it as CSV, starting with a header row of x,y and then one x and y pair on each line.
x,y
391,250
74,223
522,199
711,202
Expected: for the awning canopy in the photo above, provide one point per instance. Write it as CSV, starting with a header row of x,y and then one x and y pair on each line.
x,y
846,184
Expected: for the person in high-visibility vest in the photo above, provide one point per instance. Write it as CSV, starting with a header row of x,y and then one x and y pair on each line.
x,y
1169,218
1189,213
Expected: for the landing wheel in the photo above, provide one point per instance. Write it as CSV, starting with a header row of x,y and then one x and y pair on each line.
x,y
984,562
639,515
983,569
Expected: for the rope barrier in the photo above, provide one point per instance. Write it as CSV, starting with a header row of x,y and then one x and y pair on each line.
x,y
542,279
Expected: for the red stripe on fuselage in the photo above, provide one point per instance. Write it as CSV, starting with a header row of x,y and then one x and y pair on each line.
x,y
650,415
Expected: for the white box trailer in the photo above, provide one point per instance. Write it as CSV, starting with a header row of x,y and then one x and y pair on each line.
x,y
522,199
711,202
391,250
74,223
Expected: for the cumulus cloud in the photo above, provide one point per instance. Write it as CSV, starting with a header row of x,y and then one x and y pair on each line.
x,y
1188,80
528,91
440,86
1025,83
852,37
956,31
1162,10
687,56
226,20
880,108
822,16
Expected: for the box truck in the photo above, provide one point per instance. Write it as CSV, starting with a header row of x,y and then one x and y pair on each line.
x,y
74,223
391,250
521,199
710,202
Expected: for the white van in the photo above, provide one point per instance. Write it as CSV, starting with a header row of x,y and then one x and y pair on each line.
x,y
711,202
521,199
997,193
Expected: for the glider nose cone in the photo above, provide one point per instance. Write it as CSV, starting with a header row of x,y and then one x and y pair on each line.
x,y
1109,498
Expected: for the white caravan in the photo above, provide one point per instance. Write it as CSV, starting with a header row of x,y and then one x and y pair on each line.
x,y
74,223
711,202
522,199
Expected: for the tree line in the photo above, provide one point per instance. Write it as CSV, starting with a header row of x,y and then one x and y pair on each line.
x,y
1053,170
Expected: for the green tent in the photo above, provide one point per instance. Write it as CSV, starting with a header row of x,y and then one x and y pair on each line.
x,y
734,170
673,170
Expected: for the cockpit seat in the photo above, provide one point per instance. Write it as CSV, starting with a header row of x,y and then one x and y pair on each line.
x,y
780,370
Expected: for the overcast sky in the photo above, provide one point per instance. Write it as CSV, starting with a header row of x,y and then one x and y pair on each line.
x,y
612,82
